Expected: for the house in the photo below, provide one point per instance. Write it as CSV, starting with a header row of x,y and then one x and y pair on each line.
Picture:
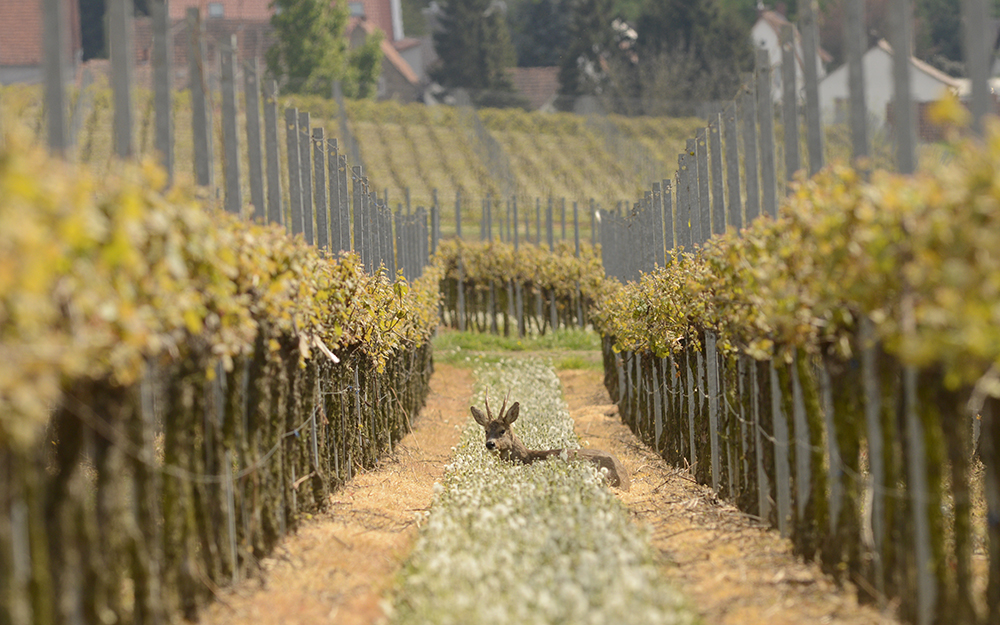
x,y
418,54
236,10
22,53
398,81
538,85
927,84
403,57
766,33
250,22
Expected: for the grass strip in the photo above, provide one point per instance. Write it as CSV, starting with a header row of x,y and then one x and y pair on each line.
x,y
544,543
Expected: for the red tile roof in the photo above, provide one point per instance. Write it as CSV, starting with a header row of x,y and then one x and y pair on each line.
x,y
379,13
253,39
406,43
21,31
538,84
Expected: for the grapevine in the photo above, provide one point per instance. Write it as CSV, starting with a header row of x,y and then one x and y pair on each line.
x,y
99,274
916,254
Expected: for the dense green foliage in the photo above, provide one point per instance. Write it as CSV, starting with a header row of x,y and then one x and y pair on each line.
x,y
310,46
475,50
364,67
939,35
498,263
745,11
310,51
591,36
540,31
684,52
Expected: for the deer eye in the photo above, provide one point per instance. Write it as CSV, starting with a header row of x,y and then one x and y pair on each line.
x,y
502,431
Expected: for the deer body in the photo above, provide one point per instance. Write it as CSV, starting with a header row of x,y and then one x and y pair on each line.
x,y
500,437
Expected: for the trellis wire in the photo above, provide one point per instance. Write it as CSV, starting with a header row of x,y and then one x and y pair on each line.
x,y
895,558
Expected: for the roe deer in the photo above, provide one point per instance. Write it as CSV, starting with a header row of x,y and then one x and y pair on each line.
x,y
500,438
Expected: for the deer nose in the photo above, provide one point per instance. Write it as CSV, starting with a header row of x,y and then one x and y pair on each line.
x,y
491,445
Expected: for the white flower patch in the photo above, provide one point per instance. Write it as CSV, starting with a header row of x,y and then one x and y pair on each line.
x,y
543,543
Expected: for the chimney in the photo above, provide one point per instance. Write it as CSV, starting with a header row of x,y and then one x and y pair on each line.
x,y
396,8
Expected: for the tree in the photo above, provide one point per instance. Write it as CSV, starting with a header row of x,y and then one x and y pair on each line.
x,y
474,49
831,26
627,10
672,25
310,51
364,64
540,32
592,39
939,35
694,26
743,11
92,29
310,48
938,30
685,52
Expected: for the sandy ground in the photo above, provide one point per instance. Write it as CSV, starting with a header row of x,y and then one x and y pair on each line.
x,y
732,570
337,567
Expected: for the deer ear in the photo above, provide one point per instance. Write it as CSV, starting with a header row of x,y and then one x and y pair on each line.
x,y
478,415
512,413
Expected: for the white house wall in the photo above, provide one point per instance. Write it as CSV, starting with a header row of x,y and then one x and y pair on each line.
x,y
877,67
414,56
763,36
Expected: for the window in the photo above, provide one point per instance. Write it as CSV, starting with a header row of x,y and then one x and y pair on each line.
x,y
215,9
357,9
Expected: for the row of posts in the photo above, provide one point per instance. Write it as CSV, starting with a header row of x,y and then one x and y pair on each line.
x,y
660,223
687,210
508,221
322,188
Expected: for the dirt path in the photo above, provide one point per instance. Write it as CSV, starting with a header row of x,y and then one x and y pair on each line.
x,y
732,570
338,565
336,568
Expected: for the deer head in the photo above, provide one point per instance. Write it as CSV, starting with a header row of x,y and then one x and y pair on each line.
x,y
499,436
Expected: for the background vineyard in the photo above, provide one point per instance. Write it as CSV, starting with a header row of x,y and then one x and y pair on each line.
x,y
411,150
421,155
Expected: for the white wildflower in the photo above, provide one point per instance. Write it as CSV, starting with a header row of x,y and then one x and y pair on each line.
x,y
541,543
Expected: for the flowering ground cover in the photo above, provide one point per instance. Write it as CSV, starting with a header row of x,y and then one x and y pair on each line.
x,y
342,566
545,543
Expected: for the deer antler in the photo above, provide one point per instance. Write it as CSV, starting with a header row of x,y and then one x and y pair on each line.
x,y
488,413
503,408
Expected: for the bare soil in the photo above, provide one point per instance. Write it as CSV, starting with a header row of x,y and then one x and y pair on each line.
x,y
339,564
733,570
